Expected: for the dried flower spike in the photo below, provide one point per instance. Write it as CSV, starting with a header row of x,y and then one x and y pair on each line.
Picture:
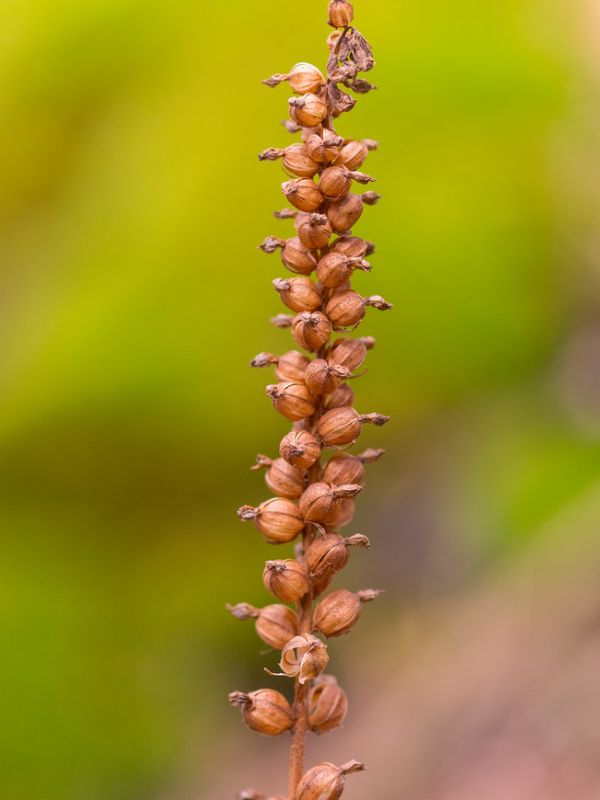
x,y
313,500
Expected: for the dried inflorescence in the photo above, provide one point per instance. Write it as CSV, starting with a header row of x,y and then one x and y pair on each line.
x,y
314,492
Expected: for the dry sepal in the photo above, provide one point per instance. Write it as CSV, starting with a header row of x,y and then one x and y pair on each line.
x,y
304,657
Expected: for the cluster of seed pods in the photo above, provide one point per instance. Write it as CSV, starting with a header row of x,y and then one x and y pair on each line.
x,y
314,479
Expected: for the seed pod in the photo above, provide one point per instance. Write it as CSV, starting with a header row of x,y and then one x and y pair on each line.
x,y
275,624
350,353
288,579
334,269
300,449
325,147
308,110
329,554
343,396
304,657
327,705
291,366
303,193
341,513
341,426
335,182
297,258
299,294
319,499
341,14
311,331
264,711
278,519
353,247
326,781
347,309
314,231
282,478
296,161
343,468
353,154
345,213
304,78
292,399
340,610
324,378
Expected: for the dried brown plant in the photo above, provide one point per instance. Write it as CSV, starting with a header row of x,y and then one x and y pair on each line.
x,y
313,501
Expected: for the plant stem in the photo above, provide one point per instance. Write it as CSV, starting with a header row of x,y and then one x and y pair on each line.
x,y
297,745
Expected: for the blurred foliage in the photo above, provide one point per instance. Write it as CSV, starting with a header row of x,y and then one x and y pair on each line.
x,y
132,297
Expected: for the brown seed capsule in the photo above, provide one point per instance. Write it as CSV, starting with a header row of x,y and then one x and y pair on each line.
x,y
324,378
297,258
326,781
353,154
324,147
278,519
300,449
350,353
299,294
292,399
275,624
343,396
311,331
334,269
347,309
341,426
288,579
304,78
343,468
353,247
327,705
303,193
345,213
308,110
297,161
282,478
341,513
335,182
314,231
341,13
340,610
291,366
304,657
319,500
264,711
329,554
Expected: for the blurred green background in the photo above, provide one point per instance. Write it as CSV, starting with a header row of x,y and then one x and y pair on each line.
x,y
133,296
